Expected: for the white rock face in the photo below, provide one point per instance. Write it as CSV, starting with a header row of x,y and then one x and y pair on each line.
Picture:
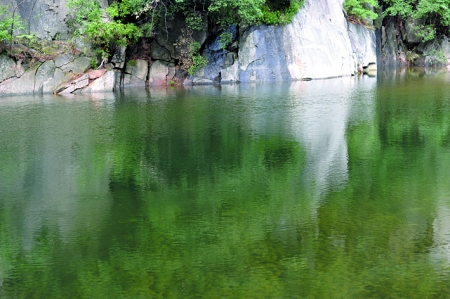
x,y
319,43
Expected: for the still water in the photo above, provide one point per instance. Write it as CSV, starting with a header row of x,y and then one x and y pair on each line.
x,y
334,188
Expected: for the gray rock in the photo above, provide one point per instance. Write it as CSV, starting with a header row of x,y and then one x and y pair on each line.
x,y
44,76
22,85
136,73
159,72
390,50
51,84
319,43
230,74
63,59
77,66
363,44
103,84
7,68
44,18
434,53
75,85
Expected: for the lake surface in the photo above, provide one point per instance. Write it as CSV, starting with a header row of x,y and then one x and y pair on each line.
x,y
334,188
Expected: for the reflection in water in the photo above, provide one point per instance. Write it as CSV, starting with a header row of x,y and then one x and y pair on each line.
x,y
299,190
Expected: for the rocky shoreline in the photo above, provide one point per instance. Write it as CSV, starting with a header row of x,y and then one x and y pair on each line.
x,y
319,43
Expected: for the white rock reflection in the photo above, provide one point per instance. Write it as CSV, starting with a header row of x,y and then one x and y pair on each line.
x,y
320,122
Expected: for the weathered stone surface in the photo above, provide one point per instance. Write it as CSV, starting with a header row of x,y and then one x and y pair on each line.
x,y
77,66
51,84
7,68
44,74
135,73
363,44
319,43
76,84
159,72
391,53
94,74
103,84
230,74
44,18
22,85
63,59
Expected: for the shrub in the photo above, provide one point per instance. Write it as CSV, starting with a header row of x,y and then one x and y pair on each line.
x,y
361,8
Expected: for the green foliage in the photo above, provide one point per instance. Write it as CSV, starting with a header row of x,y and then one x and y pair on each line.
x,y
198,61
282,16
439,57
361,8
403,8
8,24
425,32
93,63
411,56
90,24
435,14
226,12
5,24
225,39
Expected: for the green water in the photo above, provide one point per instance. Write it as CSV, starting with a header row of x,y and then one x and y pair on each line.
x,y
335,188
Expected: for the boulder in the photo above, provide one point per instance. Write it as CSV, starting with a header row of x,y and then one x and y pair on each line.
x,y
63,60
7,68
136,73
159,73
103,84
75,85
44,74
77,66
230,74
44,18
22,85
433,53
51,84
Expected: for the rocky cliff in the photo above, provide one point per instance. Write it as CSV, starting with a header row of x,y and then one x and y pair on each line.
x,y
319,43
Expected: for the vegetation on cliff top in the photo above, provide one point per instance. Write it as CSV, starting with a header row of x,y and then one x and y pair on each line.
x,y
434,15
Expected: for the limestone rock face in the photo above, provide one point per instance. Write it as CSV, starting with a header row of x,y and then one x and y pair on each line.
x,y
319,43
45,18
363,43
